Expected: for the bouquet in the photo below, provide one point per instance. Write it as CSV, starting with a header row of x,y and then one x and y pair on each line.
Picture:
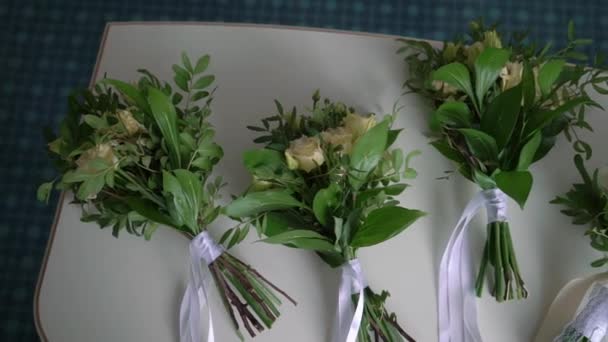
x,y
587,204
498,106
140,155
327,182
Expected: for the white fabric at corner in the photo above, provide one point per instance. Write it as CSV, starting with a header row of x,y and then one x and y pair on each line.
x,y
202,248
456,298
591,319
348,322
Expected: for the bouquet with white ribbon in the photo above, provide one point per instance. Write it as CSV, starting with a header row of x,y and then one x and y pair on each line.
x,y
498,106
140,155
327,182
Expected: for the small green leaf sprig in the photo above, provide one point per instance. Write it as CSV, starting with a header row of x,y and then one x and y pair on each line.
x,y
138,155
587,204
498,106
327,182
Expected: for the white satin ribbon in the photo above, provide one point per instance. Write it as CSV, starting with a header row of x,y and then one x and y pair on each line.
x,y
202,248
456,299
591,320
348,322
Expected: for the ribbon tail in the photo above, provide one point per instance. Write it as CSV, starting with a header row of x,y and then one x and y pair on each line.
x,y
195,300
355,324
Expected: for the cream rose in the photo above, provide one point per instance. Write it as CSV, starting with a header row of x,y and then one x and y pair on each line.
x,y
510,75
473,52
126,118
358,124
444,88
305,154
101,151
340,136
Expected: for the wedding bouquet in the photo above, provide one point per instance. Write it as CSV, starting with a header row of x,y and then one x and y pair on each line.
x,y
140,155
587,204
327,182
498,108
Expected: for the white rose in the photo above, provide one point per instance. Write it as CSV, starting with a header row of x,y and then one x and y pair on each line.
x,y
305,154
340,136
101,151
126,118
510,75
444,88
358,124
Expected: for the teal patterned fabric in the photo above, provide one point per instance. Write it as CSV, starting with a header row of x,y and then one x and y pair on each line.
x,y
49,47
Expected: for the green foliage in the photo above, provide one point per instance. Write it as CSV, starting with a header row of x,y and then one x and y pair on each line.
x,y
136,155
587,204
383,224
366,154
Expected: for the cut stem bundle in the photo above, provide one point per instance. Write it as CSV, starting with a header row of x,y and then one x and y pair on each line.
x,y
377,323
498,252
247,292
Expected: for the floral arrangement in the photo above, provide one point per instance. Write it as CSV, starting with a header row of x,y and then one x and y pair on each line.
x,y
141,155
327,182
499,104
587,204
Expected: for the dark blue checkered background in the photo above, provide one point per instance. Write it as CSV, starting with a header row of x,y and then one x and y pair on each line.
x,y
49,47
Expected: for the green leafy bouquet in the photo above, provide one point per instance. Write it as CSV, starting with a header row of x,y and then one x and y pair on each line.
x,y
587,204
327,182
499,106
140,155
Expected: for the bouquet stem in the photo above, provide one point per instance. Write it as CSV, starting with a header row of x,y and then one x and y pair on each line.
x,y
499,253
377,324
247,292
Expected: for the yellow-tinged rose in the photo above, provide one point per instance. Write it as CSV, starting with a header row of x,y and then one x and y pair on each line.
x,y
305,154
126,118
444,88
510,75
473,52
358,124
491,39
101,151
450,52
340,136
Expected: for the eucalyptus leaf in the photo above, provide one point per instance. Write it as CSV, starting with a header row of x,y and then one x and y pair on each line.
x,y
44,192
203,82
202,64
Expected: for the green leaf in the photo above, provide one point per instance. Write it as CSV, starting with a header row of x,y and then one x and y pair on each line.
x,y
528,87
95,121
501,116
148,210
202,64
166,120
447,151
181,72
516,184
302,238
325,200
383,224
44,192
186,62
539,120
181,82
456,75
261,201
455,114
185,189
482,145
203,82
199,95
526,156
488,65
484,181
549,73
130,92
90,187
366,154
599,262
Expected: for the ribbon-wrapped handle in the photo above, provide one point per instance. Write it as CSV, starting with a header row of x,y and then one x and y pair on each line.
x,y
348,322
202,248
456,298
